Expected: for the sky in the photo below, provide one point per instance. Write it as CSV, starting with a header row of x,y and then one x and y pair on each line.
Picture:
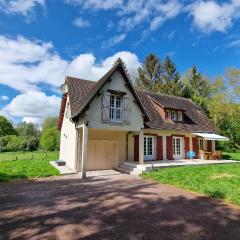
x,y
42,41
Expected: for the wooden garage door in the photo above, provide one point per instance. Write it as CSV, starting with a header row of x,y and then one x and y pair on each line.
x,y
101,155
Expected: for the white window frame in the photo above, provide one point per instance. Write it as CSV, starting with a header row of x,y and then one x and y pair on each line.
x,y
149,146
114,110
173,115
202,144
179,116
168,114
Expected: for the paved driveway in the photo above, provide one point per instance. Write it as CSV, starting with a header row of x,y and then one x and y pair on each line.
x,y
112,206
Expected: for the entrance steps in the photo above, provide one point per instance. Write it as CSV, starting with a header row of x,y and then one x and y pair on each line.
x,y
131,168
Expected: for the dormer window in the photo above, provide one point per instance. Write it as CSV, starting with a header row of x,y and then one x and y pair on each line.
x,y
174,115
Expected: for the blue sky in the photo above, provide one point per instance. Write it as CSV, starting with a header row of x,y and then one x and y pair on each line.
x,y
41,41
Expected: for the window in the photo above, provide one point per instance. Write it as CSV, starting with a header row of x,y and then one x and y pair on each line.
x,y
115,113
173,115
149,147
202,144
167,113
179,116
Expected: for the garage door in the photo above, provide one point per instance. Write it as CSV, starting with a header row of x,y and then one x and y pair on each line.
x,y
102,155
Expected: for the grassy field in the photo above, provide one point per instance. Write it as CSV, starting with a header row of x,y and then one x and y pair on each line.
x,y
18,165
217,181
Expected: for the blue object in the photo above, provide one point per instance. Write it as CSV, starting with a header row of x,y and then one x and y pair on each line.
x,y
191,154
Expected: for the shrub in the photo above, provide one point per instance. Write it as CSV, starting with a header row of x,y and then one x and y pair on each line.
x,y
50,139
32,144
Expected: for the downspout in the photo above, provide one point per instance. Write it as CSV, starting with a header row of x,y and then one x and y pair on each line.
x,y
127,144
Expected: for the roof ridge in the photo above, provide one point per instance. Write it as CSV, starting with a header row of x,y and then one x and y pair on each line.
x,y
163,94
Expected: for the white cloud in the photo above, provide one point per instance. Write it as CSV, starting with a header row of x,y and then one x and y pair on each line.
x,y
135,12
33,106
114,40
81,23
209,16
4,98
96,4
26,65
235,43
23,7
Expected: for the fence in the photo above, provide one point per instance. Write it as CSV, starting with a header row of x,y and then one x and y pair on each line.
x,y
14,156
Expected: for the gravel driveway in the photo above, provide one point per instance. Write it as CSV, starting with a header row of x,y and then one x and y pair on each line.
x,y
110,206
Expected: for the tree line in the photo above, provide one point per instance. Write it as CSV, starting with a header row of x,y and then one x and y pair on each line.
x,y
218,97
28,136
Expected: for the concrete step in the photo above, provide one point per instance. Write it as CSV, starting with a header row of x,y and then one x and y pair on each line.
x,y
129,168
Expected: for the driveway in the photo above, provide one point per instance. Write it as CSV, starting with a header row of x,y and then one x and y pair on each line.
x,y
110,206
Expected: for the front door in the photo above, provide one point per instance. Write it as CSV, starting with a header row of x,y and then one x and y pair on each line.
x,y
178,148
149,148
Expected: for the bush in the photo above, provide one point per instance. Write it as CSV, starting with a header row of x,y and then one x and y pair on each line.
x,y
9,143
225,146
50,139
32,144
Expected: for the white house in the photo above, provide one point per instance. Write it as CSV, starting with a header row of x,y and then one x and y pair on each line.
x,y
107,122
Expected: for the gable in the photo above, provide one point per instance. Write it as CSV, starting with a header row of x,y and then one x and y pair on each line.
x,y
117,84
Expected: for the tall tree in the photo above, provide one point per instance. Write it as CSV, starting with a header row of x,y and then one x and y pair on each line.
x,y
27,129
50,122
6,127
150,74
172,84
224,107
197,88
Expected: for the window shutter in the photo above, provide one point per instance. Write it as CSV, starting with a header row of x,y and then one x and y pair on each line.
x,y
195,146
106,107
187,147
159,148
127,109
169,148
136,148
209,145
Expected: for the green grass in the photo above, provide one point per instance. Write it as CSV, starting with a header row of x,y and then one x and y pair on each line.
x,y
27,165
231,156
217,181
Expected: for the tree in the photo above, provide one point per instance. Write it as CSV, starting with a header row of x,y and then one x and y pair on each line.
x,y
27,129
150,74
50,122
6,127
9,143
224,108
50,139
172,84
197,88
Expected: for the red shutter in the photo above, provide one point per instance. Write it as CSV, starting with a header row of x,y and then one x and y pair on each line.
x,y
136,148
187,147
209,145
169,148
159,148
195,146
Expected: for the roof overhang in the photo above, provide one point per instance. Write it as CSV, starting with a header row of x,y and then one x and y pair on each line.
x,y
212,136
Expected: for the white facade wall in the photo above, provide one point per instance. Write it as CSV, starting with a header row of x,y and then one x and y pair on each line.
x,y
68,142
94,114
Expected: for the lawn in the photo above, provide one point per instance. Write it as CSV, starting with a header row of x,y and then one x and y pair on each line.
x,y
18,165
217,181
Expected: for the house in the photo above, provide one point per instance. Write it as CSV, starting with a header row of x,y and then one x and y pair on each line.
x,y
107,122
